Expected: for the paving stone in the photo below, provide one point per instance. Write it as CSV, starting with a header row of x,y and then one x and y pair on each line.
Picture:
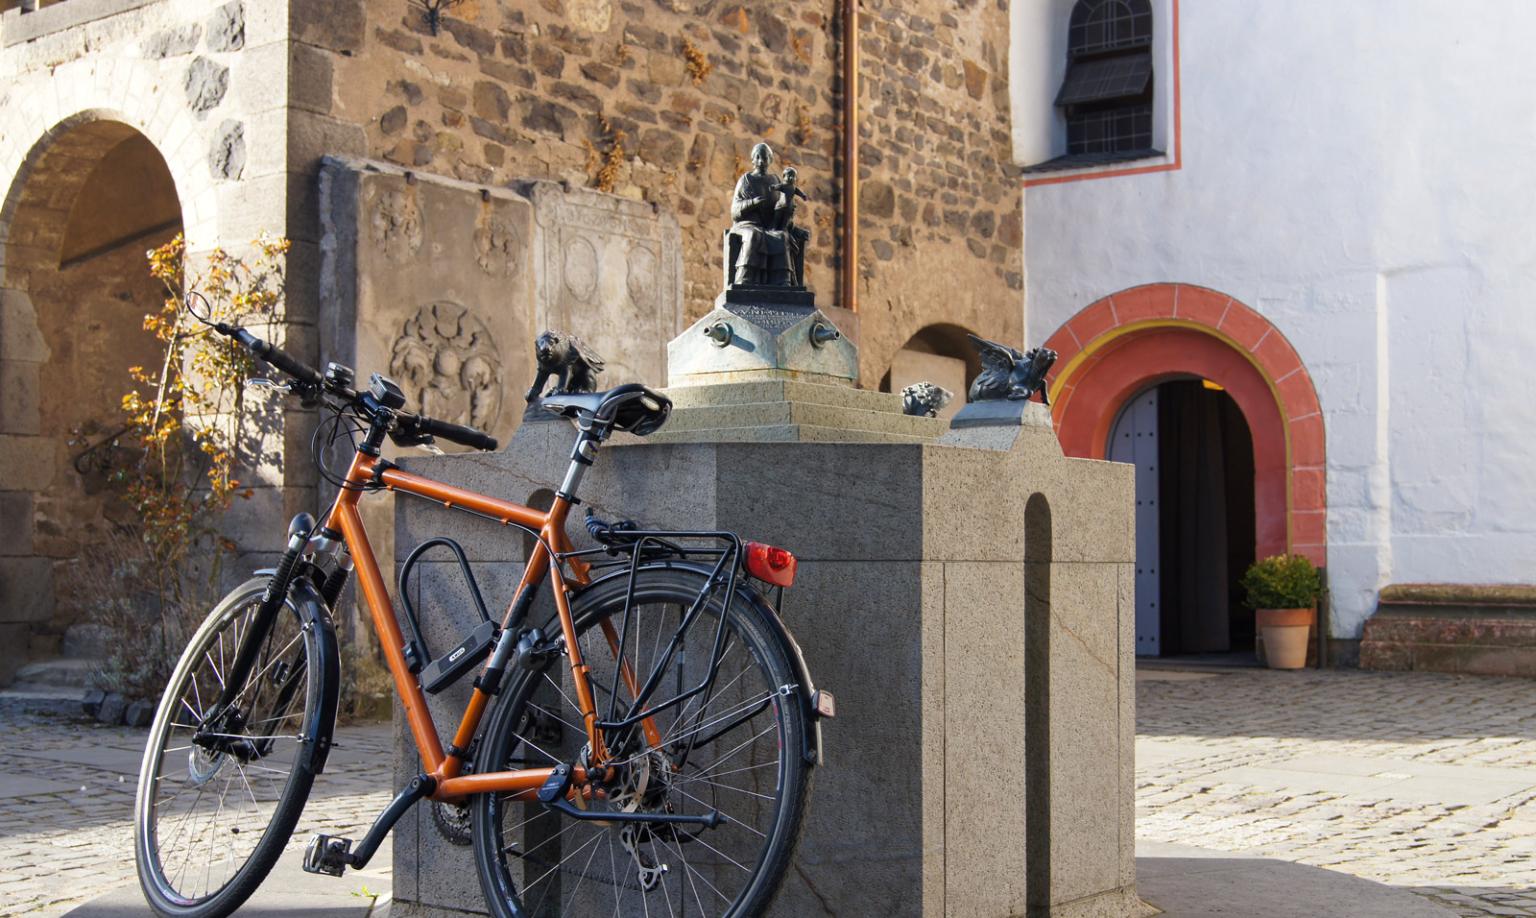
x,y
66,811
1411,780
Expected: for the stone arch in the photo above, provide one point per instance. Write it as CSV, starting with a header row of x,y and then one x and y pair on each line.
x,y
939,353
101,88
1125,342
86,201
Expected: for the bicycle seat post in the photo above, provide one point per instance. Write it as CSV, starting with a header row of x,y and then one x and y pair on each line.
x,y
583,453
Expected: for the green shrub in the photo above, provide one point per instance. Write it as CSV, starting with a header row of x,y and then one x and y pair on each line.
x,y
1282,582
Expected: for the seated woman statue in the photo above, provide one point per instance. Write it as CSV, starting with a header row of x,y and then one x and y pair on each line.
x,y
763,254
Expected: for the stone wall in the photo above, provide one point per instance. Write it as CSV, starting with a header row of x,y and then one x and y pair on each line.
x,y
661,100
121,121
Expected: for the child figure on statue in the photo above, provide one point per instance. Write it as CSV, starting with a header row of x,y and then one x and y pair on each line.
x,y
784,219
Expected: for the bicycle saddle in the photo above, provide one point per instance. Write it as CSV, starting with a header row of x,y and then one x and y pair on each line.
x,y
632,408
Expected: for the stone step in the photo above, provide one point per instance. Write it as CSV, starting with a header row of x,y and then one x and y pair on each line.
x,y
782,390
60,672
766,414
783,433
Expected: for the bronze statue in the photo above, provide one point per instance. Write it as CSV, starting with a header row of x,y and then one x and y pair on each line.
x,y
574,365
1007,374
924,399
764,247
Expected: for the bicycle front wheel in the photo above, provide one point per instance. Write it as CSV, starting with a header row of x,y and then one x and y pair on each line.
x,y
216,805
735,748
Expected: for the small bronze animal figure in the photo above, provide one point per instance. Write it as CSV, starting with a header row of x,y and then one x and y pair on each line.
x,y
574,365
924,399
1007,374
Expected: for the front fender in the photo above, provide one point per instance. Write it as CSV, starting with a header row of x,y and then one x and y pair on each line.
x,y
746,593
315,616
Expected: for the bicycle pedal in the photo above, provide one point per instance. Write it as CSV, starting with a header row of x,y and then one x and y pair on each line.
x,y
328,854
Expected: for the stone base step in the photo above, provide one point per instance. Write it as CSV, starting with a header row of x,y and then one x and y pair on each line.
x,y
782,390
802,414
783,433
61,672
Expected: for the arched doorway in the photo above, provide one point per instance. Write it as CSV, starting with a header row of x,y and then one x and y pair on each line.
x,y
92,197
941,354
1193,454
1227,364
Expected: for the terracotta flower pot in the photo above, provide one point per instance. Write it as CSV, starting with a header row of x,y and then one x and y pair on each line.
x,y
1285,636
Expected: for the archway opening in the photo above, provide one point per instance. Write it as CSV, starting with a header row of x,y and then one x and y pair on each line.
x,y
92,198
940,354
1193,453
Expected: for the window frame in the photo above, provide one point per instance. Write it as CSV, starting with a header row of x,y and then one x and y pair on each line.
x,y
1151,110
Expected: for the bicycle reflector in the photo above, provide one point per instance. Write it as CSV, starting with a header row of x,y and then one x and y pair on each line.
x,y
770,564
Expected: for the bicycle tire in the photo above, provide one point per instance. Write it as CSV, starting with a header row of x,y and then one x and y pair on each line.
x,y
506,737
156,880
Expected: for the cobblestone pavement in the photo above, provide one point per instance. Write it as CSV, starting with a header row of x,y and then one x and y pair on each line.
x,y
1421,781
66,802
1424,782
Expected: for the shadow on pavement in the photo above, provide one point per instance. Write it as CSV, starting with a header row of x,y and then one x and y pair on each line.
x,y
1194,883
288,892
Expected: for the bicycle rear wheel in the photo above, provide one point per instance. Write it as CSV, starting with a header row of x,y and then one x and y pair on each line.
x,y
737,749
214,810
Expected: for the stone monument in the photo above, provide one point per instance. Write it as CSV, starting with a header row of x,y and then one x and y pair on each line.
x,y
968,594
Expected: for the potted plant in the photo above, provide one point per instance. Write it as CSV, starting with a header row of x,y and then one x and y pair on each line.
x,y
1282,591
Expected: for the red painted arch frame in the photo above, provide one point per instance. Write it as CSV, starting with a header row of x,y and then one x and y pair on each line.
x,y
1129,340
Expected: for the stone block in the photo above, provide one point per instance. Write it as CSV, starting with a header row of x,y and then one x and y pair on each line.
x,y
91,702
337,25
1086,785
26,589
19,397
838,502
226,27
915,605
430,281
609,270
984,723
112,709
16,522
863,822
139,714
20,338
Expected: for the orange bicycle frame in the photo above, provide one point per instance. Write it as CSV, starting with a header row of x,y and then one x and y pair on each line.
x,y
444,767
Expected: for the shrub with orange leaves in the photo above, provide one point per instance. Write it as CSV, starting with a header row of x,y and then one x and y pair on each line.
x,y
190,416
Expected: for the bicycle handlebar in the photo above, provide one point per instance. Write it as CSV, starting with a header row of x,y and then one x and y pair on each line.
x,y
454,433
410,429
273,355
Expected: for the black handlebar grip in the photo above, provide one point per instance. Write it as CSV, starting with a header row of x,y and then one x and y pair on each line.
x,y
455,433
279,358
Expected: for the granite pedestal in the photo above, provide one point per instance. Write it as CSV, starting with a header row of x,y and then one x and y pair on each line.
x,y
969,600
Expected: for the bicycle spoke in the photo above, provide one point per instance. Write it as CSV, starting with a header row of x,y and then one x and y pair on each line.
x,y
210,805
732,729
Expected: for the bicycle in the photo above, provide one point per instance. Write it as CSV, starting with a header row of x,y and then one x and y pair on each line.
x,y
664,768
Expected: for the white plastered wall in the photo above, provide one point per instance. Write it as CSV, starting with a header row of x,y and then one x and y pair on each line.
x,y
1361,176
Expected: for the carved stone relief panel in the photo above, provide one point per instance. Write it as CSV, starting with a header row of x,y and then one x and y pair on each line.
x,y
447,362
430,281
610,272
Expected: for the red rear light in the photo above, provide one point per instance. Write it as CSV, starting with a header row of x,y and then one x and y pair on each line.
x,y
770,564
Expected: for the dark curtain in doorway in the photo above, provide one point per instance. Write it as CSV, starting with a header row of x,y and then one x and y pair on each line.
x,y
1205,481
